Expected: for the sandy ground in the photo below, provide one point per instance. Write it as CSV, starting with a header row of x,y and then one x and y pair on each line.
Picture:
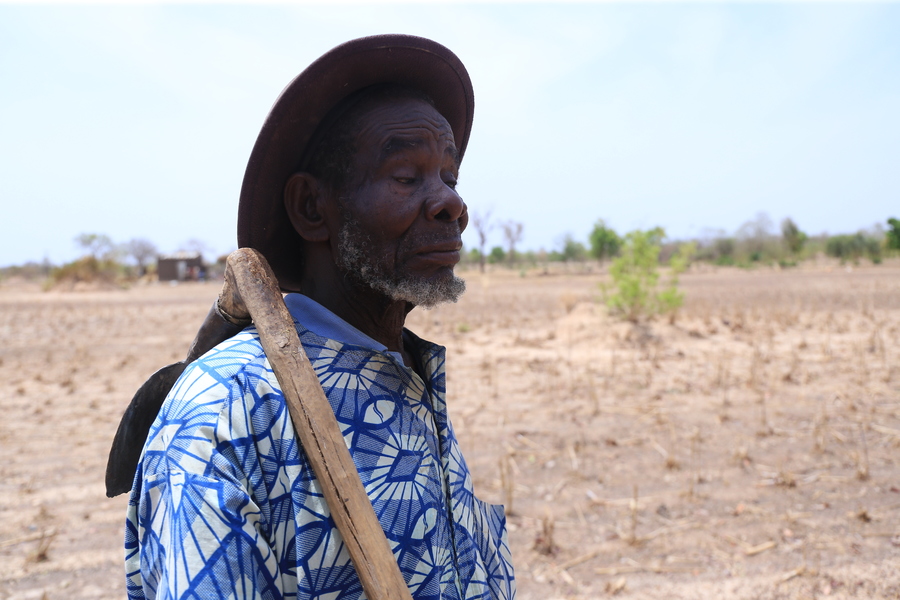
x,y
747,450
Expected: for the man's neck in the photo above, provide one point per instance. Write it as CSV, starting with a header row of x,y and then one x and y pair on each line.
x,y
371,312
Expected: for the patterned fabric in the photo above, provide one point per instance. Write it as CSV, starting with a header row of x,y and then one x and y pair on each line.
x,y
225,505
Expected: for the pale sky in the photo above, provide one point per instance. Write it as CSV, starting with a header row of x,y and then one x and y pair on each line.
x,y
137,121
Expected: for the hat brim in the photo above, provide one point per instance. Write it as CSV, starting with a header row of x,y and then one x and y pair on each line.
x,y
407,60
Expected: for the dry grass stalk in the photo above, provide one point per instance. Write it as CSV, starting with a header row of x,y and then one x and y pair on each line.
x,y
820,428
689,492
634,510
28,538
40,553
793,373
786,479
643,569
671,463
887,534
722,374
791,574
755,365
863,368
544,542
612,370
863,515
765,429
750,549
862,466
507,484
885,430
696,441
614,587
581,559
876,344
592,395
573,455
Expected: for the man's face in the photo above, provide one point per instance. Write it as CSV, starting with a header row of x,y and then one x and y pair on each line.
x,y
401,218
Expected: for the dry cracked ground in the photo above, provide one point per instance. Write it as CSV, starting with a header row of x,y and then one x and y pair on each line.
x,y
749,449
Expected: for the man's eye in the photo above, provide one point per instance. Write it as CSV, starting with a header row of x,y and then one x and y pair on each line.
x,y
405,180
451,183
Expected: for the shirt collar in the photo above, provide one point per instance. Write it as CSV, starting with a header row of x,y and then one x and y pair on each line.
x,y
321,321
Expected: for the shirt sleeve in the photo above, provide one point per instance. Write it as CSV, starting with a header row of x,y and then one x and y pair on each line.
x,y
195,527
199,538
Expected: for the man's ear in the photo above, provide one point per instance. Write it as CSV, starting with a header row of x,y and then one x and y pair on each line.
x,y
304,201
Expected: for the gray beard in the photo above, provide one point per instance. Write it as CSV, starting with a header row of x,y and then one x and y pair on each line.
x,y
357,262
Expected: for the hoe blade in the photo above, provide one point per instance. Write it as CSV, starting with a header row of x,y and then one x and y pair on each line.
x,y
134,427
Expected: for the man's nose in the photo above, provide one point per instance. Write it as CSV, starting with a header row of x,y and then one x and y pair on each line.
x,y
444,204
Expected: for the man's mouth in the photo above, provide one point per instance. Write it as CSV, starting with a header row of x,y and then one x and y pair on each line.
x,y
444,254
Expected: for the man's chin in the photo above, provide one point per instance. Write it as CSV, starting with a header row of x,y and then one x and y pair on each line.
x,y
427,293
421,285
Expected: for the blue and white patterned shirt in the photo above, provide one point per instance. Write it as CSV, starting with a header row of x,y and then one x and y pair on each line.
x,y
224,504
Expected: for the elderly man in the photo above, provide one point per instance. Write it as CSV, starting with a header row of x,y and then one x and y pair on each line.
x,y
350,193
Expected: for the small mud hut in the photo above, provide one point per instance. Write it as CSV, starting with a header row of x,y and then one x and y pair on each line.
x,y
180,266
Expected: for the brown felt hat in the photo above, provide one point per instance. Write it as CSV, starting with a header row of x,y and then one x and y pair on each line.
x,y
407,60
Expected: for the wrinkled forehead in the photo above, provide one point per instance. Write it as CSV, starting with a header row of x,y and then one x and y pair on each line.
x,y
392,125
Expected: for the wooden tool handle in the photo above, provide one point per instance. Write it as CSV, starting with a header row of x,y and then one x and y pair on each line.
x,y
251,291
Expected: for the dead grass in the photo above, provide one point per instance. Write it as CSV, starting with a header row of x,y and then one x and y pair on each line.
x,y
746,451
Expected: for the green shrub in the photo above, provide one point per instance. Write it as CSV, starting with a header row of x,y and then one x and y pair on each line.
x,y
892,236
671,299
472,256
725,261
605,242
853,247
87,269
573,250
634,292
793,238
634,276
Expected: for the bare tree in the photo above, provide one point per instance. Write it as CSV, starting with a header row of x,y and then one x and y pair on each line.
x,y
195,245
512,231
142,251
758,228
96,245
754,233
483,225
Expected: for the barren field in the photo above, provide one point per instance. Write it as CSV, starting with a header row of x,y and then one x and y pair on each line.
x,y
747,450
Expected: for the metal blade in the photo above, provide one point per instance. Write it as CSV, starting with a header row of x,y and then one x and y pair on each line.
x,y
134,427
141,412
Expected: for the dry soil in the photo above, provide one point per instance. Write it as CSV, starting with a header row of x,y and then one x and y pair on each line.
x,y
749,449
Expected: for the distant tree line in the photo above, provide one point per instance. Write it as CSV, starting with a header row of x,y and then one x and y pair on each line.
x,y
756,242
101,260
